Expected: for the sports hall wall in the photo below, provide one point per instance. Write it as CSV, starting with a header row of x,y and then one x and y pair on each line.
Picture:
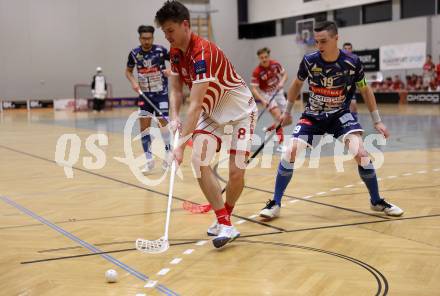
x,y
263,10
47,46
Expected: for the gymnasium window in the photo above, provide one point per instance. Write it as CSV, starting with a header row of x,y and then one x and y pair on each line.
x,y
350,16
319,16
377,12
411,8
288,25
257,30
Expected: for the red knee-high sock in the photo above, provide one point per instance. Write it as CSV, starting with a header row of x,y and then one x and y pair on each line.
x,y
223,217
229,208
280,135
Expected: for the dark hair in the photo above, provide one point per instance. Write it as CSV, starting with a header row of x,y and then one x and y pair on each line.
x,y
326,26
172,11
429,56
145,29
264,49
347,44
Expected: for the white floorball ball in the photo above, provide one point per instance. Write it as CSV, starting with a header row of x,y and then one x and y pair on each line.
x,y
111,276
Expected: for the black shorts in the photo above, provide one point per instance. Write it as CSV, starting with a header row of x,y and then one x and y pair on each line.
x,y
161,102
340,124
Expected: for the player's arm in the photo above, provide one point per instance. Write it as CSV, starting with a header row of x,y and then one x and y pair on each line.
x,y
293,93
283,79
131,63
257,95
132,79
196,96
370,100
176,98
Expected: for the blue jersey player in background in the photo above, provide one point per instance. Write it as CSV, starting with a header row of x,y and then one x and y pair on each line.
x,y
149,61
332,75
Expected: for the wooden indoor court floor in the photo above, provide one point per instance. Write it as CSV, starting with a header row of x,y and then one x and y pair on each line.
x,y
58,235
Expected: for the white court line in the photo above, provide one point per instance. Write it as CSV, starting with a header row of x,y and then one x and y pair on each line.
x,y
360,183
335,189
321,193
379,179
253,216
163,271
349,186
436,170
141,294
421,172
201,243
308,196
240,222
392,177
176,261
150,284
407,174
189,251
293,200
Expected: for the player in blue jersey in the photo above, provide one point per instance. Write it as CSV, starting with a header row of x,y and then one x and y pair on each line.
x,y
149,61
332,75
348,47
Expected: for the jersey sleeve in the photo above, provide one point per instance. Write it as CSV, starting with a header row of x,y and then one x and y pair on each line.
x,y
359,76
302,70
280,68
203,64
131,61
255,79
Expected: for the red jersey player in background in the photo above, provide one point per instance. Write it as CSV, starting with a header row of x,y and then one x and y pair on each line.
x,y
219,103
267,84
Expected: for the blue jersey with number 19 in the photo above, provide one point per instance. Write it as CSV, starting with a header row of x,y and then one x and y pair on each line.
x,y
331,84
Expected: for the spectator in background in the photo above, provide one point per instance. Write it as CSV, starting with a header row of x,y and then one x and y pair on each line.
x,y
398,83
388,84
99,90
438,71
434,85
419,83
428,71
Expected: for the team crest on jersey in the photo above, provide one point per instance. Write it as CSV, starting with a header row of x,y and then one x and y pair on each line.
x,y
317,69
147,63
139,57
200,67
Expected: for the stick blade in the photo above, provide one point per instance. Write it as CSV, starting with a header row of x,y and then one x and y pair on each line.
x,y
152,247
195,208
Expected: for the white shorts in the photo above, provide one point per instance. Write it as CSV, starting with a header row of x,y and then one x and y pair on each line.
x,y
234,135
279,101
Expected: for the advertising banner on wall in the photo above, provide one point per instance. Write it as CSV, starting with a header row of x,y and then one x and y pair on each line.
x,y
402,56
369,58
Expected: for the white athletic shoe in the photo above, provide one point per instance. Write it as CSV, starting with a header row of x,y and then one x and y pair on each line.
x,y
214,229
387,208
149,166
226,235
271,210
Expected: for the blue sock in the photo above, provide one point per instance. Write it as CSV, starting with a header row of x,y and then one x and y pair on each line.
x,y
284,175
368,175
146,144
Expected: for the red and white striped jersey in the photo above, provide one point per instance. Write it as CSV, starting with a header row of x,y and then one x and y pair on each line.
x,y
227,98
267,79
